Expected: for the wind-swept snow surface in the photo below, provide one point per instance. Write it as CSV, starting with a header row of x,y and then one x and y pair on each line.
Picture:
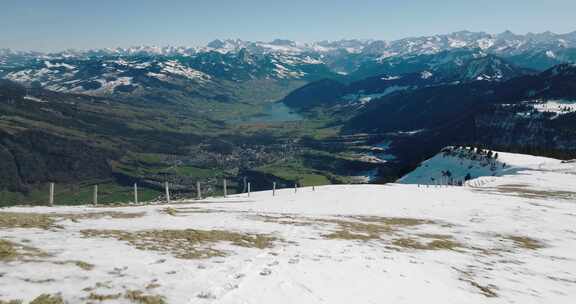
x,y
512,240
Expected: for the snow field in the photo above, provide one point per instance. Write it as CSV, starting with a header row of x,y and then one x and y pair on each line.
x,y
396,243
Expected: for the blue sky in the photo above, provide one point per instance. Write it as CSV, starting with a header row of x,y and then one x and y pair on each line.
x,y
49,25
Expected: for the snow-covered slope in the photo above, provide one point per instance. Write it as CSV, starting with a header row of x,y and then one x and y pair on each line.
x,y
511,240
458,164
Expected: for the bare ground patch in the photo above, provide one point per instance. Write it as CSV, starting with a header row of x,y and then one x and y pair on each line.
x,y
525,242
26,220
98,215
370,227
185,244
366,228
362,228
80,264
526,192
186,210
138,296
42,299
10,251
49,220
11,302
48,299
349,230
103,297
488,291
284,219
436,244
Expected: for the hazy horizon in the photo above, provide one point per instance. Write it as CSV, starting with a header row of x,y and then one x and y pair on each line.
x,y
270,40
63,24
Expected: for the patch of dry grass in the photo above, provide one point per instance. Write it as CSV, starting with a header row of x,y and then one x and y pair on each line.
x,y
487,291
153,285
435,236
97,215
137,296
393,221
48,220
38,281
84,265
103,285
7,250
437,244
525,242
348,230
11,251
185,244
361,228
365,228
103,297
525,192
48,299
467,276
80,264
284,220
170,211
25,220
11,302
186,210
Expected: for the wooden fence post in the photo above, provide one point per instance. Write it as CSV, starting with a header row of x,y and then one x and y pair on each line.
x,y
198,191
225,187
135,193
273,188
51,197
95,201
167,192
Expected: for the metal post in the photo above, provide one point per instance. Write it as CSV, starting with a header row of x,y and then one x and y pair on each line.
x,y
225,187
95,195
273,188
248,189
167,192
135,193
295,187
51,198
313,188
198,191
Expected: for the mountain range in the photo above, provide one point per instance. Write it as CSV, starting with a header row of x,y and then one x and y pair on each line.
x,y
147,114
222,68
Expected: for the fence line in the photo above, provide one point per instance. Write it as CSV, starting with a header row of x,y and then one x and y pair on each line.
x,y
51,199
167,192
95,200
99,198
198,191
